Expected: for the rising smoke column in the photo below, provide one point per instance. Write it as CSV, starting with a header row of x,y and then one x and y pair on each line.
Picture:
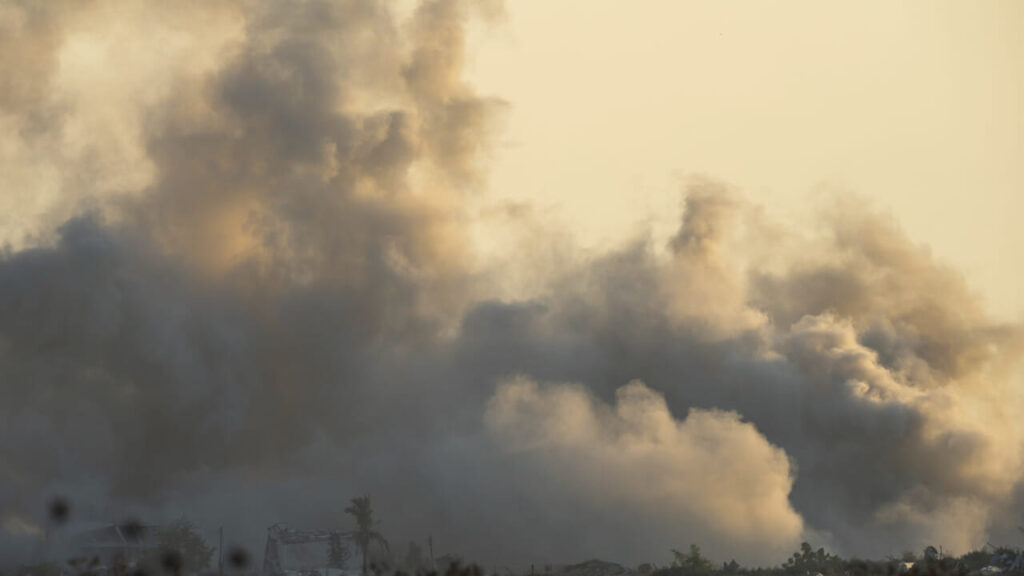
x,y
248,293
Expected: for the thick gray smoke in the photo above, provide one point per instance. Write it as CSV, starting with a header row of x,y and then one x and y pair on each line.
x,y
240,285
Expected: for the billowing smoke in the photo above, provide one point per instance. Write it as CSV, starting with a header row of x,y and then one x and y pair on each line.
x,y
688,480
240,285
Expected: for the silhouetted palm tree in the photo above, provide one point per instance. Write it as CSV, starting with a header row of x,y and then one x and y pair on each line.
x,y
362,511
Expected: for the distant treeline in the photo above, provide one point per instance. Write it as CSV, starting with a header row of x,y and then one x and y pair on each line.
x,y
808,562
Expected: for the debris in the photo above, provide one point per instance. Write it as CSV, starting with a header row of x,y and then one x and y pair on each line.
x,y
593,568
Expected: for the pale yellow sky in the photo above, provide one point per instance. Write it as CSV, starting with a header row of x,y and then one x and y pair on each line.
x,y
916,105
288,196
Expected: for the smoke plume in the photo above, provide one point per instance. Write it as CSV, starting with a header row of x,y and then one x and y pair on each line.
x,y
240,284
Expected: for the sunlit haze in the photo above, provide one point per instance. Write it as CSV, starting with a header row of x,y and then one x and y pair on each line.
x,y
518,285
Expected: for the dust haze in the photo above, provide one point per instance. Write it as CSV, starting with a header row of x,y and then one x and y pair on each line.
x,y
240,283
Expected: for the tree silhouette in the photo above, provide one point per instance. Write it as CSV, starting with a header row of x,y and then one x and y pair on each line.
x,y
809,561
692,563
362,511
181,549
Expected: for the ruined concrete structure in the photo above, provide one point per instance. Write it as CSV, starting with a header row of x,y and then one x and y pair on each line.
x,y
280,535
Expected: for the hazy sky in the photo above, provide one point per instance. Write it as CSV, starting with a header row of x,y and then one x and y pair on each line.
x,y
550,281
918,106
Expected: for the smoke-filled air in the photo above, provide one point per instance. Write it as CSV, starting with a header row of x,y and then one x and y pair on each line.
x,y
252,269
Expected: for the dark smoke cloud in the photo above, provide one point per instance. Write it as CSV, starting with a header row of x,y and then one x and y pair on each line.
x,y
289,312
